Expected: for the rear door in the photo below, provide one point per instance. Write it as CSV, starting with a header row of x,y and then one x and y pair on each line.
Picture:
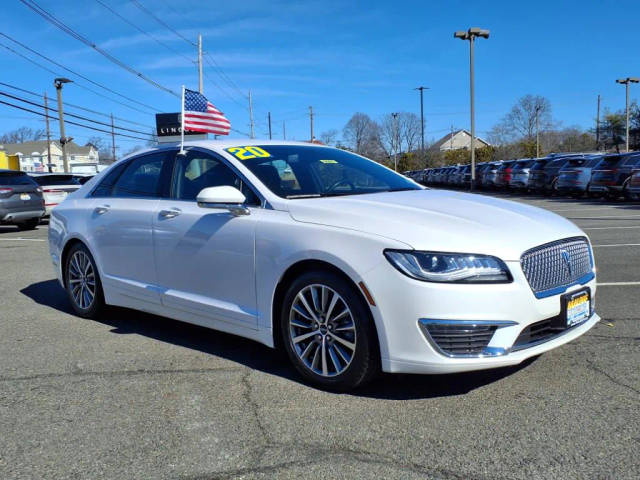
x,y
121,222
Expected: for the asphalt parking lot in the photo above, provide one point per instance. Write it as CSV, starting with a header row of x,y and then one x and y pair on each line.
x,y
139,396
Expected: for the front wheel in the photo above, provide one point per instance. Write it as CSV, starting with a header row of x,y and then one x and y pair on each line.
x,y
83,282
328,332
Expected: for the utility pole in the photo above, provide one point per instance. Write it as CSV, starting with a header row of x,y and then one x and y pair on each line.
x,y
598,126
537,133
46,116
269,118
395,141
626,82
311,121
251,114
470,35
284,131
113,140
451,139
58,83
200,87
421,88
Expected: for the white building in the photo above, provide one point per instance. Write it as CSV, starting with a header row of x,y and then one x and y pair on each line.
x,y
33,155
457,140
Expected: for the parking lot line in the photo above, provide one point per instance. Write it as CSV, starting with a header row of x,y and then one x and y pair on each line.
x,y
616,284
609,228
23,239
609,217
618,245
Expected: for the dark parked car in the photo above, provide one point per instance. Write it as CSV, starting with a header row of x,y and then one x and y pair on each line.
x,y
575,176
21,200
543,174
611,178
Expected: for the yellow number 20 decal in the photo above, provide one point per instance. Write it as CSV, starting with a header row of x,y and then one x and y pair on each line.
x,y
246,153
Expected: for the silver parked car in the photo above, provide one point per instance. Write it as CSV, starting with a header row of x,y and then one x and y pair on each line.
x,y
520,174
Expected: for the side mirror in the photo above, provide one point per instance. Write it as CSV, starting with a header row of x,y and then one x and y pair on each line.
x,y
225,197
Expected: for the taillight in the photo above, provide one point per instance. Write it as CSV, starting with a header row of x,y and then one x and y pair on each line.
x,y
52,190
6,191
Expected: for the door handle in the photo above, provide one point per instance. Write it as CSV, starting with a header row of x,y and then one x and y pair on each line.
x,y
174,212
102,209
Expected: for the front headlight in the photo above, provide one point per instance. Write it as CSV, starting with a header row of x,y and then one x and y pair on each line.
x,y
449,267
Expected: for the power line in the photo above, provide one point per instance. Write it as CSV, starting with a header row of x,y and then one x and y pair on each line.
x,y
54,21
71,114
132,24
72,122
72,72
35,94
161,22
212,63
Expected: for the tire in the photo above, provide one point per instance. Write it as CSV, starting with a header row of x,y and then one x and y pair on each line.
x,y
30,224
351,358
87,299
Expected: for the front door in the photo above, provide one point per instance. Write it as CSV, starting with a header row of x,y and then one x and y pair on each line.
x,y
205,257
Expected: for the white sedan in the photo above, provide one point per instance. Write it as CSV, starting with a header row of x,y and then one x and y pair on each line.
x,y
346,265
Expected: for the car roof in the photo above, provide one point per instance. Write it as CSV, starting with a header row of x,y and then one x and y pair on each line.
x,y
8,170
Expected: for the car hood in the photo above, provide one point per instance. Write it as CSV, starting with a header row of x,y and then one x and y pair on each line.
x,y
440,220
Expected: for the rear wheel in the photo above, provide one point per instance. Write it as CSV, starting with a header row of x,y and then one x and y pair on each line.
x,y
30,224
328,333
83,282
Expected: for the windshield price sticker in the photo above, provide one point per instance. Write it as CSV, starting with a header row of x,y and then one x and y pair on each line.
x,y
247,153
328,161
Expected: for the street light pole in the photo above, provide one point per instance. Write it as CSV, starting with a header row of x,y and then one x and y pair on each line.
x,y
470,35
537,133
626,82
58,83
421,88
395,141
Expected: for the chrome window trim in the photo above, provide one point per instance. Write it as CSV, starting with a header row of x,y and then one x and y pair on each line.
x,y
487,352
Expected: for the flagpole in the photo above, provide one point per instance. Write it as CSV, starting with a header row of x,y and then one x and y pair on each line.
x,y
182,152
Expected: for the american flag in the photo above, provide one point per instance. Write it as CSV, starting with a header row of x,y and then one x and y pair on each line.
x,y
201,116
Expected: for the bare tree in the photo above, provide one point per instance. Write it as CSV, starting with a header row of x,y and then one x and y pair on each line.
x,y
22,134
400,134
520,122
362,134
330,137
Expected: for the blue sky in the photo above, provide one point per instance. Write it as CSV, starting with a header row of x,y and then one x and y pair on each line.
x,y
340,57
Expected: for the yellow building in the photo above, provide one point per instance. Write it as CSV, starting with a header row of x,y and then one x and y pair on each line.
x,y
9,162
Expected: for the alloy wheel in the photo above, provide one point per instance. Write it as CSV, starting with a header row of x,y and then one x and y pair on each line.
x,y
82,280
322,330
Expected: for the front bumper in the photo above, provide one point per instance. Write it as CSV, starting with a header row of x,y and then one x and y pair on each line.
x,y
402,302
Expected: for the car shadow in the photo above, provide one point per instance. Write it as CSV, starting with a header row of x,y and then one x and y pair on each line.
x,y
256,356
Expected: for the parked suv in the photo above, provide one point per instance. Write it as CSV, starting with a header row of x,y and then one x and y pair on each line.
x,y
574,177
56,187
543,175
21,201
489,175
520,174
503,176
633,187
611,178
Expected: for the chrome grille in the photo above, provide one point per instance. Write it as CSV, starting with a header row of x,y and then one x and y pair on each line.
x,y
557,264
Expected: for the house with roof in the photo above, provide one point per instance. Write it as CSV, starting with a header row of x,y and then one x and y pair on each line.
x,y
33,156
456,140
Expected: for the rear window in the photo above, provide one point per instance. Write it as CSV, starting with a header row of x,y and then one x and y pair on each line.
x,y
632,161
610,162
15,178
576,162
504,166
539,165
56,180
557,163
593,162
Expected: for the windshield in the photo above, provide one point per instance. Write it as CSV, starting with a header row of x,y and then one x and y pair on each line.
x,y
15,178
298,171
56,180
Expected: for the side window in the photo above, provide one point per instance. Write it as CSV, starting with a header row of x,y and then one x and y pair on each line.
x,y
196,171
141,178
106,185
